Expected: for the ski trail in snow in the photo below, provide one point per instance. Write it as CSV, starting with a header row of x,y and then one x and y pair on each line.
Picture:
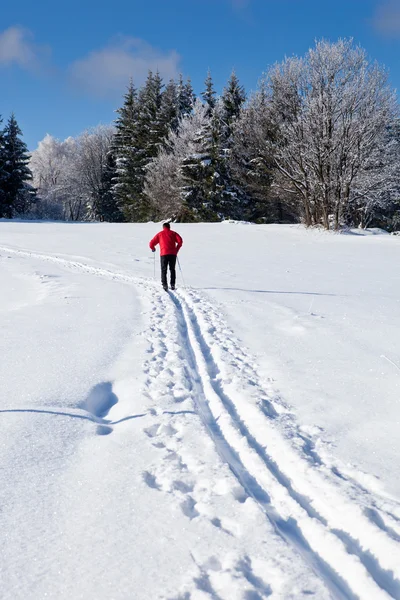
x,y
344,528
349,550
173,378
74,265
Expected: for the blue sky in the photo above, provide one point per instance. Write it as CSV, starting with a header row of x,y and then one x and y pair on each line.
x,y
64,66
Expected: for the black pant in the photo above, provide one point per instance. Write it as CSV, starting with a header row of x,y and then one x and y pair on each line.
x,y
168,259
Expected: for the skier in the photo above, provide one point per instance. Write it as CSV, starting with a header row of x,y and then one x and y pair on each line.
x,y
170,244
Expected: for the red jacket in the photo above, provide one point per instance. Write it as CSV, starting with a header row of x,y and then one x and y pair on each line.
x,y
170,242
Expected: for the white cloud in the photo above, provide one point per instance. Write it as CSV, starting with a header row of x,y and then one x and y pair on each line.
x,y
387,18
17,48
106,72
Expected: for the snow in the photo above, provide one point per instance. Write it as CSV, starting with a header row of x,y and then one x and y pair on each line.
x,y
235,439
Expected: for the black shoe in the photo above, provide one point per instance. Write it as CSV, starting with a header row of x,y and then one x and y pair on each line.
x,y
165,287
172,287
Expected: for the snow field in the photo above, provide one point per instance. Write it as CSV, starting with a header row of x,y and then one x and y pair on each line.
x,y
160,461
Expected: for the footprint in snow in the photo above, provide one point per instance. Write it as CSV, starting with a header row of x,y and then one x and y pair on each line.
x,y
188,507
152,430
150,480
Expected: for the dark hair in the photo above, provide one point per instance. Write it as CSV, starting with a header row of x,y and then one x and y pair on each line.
x,y
167,225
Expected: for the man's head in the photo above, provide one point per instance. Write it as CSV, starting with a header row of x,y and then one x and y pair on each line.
x,y
166,226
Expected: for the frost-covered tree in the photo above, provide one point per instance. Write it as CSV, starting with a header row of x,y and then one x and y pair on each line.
x,y
70,175
178,179
233,98
200,177
125,187
60,183
186,180
331,109
107,207
229,196
90,162
209,94
168,113
186,97
144,123
252,161
376,194
17,194
141,130
47,165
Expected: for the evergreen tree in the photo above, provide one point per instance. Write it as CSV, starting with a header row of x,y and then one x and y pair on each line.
x,y
209,93
17,193
168,115
203,189
124,187
252,162
148,136
233,98
141,130
107,206
150,129
199,177
186,97
228,197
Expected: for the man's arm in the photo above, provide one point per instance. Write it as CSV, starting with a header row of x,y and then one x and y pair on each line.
x,y
153,243
179,242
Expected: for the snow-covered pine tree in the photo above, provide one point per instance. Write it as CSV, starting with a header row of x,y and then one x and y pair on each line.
x,y
230,198
201,181
107,208
168,113
209,95
233,98
146,133
186,97
17,193
180,181
252,162
125,188
151,128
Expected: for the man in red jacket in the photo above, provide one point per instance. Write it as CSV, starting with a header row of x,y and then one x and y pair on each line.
x,y
170,244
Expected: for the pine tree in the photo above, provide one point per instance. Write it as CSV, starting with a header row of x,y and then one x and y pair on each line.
x,y
233,98
145,122
168,114
147,139
229,198
201,179
124,188
209,93
107,206
252,162
186,97
17,193
150,128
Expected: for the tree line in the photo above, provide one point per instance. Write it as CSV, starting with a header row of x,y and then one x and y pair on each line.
x,y
318,143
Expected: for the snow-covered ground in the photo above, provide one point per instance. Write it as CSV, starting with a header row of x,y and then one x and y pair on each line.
x,y
237,439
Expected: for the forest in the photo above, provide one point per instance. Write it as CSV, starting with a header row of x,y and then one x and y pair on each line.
x,y
317,143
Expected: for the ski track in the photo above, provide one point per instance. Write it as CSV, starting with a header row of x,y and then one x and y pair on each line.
x,y
346,529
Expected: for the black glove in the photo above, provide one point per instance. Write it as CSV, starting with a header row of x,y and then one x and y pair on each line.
x,y
153,250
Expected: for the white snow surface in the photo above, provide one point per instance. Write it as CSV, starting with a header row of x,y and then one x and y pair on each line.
x,y
236,439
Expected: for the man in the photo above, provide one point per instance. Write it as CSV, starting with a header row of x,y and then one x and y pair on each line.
x,y
170,244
